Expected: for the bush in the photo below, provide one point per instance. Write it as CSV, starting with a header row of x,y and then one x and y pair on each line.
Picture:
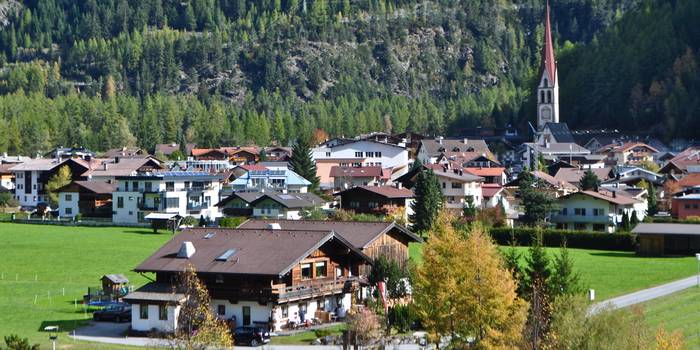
x,y
7,200
670,220
322,333
402,318
189,221
574,239
231,222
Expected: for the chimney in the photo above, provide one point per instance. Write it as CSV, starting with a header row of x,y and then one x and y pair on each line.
x,y
439,139
186,250
105,166
614,194
274,226
399,185
466,141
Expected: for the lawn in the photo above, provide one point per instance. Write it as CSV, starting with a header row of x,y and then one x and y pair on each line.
x,y
305,337
45,262
612,273
681,311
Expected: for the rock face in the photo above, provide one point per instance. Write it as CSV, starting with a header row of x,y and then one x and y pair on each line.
x,y
6,8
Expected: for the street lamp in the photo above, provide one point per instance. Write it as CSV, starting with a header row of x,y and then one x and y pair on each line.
x,y
697,257
53,334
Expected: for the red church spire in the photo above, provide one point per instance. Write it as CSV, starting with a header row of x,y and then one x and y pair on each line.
x,y
548,62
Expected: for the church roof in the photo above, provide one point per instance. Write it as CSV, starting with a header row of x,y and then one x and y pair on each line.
x,y
561,132
548,63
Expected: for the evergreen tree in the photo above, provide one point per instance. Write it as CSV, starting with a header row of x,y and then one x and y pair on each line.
x,y
427,200
537,272
538,204
564,280
625,225
589,181
469,209
302,163
652,204
634,220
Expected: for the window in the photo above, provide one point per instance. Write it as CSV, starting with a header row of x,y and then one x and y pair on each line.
x,y
135,185
373,205
579,226
564,211
148,186
444,185
377,154
549,96
456,185
358,154
598,212
69,211
328,154
126,186
162,312
172,203
170,186
695,206
354,204
143,312
321,269
285,311
69,197
338,271
598,227
246,315
221,310
580,211
120,202
219,278
305,271
369,154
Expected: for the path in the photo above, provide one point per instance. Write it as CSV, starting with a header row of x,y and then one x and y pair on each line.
x,y
645,294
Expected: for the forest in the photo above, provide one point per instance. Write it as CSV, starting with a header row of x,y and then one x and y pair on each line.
x,y
225,72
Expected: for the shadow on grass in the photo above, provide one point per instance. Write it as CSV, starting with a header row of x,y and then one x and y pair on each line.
x,y
63,325
147,232
633,255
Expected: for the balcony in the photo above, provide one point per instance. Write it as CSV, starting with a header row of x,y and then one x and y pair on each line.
x,y
314,289
599,219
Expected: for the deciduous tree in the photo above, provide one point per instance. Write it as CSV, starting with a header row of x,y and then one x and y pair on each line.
x,y
61,178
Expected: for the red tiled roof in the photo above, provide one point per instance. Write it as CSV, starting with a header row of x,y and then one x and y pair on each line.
x,y
252,167
690,180
367,171
608,196
486,171
490,190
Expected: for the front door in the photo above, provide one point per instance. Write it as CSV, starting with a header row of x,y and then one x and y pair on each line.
x,y
246,315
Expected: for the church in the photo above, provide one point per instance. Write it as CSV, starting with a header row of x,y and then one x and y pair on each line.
x,y
548,88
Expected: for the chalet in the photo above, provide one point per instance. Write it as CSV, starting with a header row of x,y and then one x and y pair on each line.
x,y
108,170
32,176
278,154
63,153
167,149
574,175
376,199
635,176
283,180
629,153
530,152
495,175
430,149
667,239
284,205
126,152
456,184
348,177
358,153
375,239
238,203
554,186
87,198
468,159
263,276
596,211
685,205
680,165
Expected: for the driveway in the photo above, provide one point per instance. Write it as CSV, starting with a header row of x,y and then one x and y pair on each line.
x,y
113,333
645,294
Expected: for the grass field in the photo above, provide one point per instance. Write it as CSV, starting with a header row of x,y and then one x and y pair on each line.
x,y
305,337
677,311
41,261
612,273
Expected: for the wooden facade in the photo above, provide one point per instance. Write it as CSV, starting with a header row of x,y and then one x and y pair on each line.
x,y
368,202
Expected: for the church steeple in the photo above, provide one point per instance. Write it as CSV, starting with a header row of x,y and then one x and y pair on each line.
x,y
548,88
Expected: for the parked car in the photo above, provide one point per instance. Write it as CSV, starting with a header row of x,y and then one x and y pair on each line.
x,y
113,312
252,336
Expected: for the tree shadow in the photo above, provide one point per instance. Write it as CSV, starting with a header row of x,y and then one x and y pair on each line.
x,y
146,232
633,255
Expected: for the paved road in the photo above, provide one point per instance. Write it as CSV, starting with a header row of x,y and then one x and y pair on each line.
x,y
645,294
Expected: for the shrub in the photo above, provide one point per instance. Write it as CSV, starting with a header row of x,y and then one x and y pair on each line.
x,y
231,222
189,221
574,239
402,317
322,333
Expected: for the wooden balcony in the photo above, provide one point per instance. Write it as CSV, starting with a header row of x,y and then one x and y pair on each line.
x,y
312,290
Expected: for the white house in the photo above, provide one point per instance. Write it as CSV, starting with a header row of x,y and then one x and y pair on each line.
x,y
186,193
358,153
280,180
597,211
430,150
32,176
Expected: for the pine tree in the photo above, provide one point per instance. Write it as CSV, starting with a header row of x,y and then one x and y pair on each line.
x,y
537,272
652,205
427,200
625,225
634,220
589,181
302,163
564,280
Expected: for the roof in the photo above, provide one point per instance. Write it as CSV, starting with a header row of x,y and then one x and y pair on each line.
x,y
249,167
169,148
359,233
564,148
627,146
97,187
247,197
5,167
549,64
454,174
435,147
117,278
257,251
490,190
574,175
553,181
123,152
367,171
690,180
689,157
561,132
606,196
291,178
160,216
292,200
384,191
155,291
122,167
497,171
667,229
40,164
692,196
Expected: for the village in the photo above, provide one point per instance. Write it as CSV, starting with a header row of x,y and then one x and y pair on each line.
x,y
490,238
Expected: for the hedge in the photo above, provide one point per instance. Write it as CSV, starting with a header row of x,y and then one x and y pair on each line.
x,y
574,239
231,222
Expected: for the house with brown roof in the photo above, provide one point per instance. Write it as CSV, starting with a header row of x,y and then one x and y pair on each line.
x,y
574,175
288,206
375,239
269,276
491,175
456,184
167,149
32,176
87,198
430,150
107,170
348,177
126,152
667,239
376,199
238,203
628,153
597,211
679,166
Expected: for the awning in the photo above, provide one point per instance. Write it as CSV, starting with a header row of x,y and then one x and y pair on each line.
x,y
160,216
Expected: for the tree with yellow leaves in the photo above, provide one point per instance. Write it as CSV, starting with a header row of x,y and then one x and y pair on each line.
x,y
463,289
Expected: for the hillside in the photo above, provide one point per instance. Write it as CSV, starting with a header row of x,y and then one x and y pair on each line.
x,y
115,72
